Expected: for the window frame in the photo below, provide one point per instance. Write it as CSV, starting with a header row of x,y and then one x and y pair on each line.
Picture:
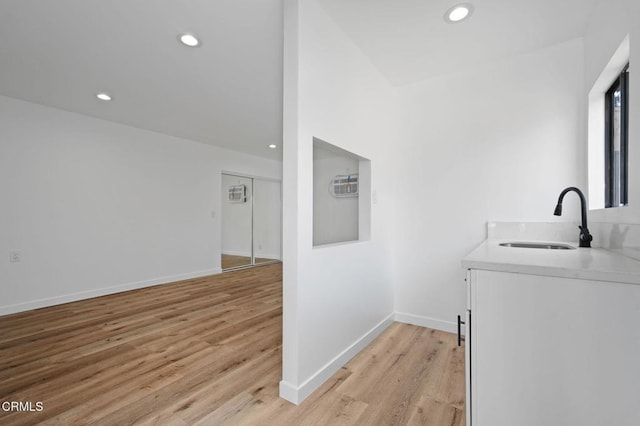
x,y
621,83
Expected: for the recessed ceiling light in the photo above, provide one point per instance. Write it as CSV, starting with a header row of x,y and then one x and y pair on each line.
x,y
189,40
104,96
458,13
272,146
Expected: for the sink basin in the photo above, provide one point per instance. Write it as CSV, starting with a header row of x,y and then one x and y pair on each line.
x,y
548,246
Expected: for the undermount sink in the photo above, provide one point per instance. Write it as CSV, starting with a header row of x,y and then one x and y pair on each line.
x,y
548,246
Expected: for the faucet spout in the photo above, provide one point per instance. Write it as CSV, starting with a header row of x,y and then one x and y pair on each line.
x,y
585,236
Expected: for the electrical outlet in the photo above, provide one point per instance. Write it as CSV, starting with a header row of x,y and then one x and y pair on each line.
x,y
15,256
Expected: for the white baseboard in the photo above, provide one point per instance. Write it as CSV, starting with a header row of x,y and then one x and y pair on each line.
x,y
275,256
268,256
438,324
73,297
237,253
289,392
297,394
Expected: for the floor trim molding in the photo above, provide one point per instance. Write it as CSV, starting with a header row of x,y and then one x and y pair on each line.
x,y
422,321
298,394
74,297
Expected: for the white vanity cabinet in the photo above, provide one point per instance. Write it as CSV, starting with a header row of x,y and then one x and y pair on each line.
x,y
544,350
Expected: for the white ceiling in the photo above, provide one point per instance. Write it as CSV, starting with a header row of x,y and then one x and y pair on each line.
x,y
409,41
228,92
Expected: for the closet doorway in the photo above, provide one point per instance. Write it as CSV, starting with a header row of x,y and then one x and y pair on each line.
x,y
251,221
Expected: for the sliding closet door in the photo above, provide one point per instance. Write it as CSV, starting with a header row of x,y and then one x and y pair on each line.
x,y
237,221
267,222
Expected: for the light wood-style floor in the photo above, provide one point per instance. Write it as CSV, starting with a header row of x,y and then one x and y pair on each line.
x,y
231,261
208,351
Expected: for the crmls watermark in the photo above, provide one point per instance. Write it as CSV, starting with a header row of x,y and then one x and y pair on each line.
x,y
10,406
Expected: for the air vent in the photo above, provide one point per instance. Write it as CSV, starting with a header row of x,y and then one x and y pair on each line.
x,y
343,186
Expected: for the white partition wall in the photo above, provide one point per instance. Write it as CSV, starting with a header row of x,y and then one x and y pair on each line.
x,y
337,297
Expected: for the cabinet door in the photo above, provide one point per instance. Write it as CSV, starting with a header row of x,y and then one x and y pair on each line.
x,y
551,351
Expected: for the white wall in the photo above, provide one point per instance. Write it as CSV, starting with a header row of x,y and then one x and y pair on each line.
x,y
267,228
610,22
336,298
334,219
494,143
98,207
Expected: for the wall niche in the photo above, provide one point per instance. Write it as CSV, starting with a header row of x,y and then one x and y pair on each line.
x,y
341,195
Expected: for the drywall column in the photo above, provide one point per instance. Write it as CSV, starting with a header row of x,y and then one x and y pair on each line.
x,y
290,197
337,298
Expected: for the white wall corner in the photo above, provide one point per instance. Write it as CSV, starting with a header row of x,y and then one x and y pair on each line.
x,y
298,394
290,202
421,321
289,392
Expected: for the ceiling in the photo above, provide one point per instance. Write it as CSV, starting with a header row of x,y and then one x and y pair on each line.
x,y
409,41
228,92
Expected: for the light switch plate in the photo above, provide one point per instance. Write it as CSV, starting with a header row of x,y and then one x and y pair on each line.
x,y
15,256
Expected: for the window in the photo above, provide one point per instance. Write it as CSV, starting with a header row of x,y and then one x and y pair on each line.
x,y
617,141
607,133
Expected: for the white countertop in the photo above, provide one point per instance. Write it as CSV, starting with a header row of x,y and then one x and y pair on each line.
x,y
583,263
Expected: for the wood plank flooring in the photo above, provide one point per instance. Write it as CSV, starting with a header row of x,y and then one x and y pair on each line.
x,y
207,351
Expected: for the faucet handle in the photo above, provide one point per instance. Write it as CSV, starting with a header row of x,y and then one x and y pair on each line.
x,y
584,234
